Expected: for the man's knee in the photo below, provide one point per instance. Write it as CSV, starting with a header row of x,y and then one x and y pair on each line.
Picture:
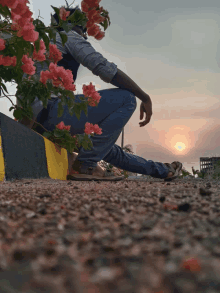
x,y
133,101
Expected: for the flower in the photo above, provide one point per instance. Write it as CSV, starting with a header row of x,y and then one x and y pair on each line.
x,y
63,13
89,128
55,55
62,126
90,92
2,44
191,264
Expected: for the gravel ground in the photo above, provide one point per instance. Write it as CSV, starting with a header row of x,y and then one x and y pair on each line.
x,y
133,236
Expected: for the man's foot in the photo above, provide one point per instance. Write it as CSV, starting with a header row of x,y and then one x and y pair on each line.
x,y
98,171
175,169
170,174
90,174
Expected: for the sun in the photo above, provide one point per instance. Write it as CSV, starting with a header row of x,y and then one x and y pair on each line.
x,y
180,146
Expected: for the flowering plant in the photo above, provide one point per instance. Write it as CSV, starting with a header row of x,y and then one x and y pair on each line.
x,y
16,60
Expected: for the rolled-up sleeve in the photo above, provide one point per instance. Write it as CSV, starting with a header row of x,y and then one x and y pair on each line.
x,y
83,52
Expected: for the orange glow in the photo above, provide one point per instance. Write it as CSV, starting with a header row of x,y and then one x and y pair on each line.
x,y
180,146
179,139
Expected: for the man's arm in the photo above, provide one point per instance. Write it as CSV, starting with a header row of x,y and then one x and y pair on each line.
x,y
123,81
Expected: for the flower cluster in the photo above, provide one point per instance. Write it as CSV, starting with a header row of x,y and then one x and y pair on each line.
x,y
59,77
22,20
168,206
90,8
191,264
90,129
62,126
63,13
90,92
22,24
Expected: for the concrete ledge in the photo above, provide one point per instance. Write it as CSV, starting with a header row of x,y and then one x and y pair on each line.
x,y
26,154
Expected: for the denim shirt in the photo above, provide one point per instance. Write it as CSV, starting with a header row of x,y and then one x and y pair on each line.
x,y
76,51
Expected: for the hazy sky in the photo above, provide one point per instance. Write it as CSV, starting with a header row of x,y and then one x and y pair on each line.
x,y
172,51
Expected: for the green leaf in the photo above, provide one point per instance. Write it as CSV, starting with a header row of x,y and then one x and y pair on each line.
x,y
17,113
57,133
77,110
11,108
5,11
66,27
60,110
64,37
52,34
76,16
105,24
57,10
37,45
47,134
85,109
46,39
85,145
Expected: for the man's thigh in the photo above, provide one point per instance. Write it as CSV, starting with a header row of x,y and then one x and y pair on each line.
x,y
111,100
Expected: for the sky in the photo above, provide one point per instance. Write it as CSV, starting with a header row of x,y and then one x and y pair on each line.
x,y
171,50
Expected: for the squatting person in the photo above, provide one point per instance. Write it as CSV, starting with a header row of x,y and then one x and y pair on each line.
x,y
114,110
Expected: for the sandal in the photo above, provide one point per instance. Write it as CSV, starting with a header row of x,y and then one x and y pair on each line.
x,y
176,171
85,174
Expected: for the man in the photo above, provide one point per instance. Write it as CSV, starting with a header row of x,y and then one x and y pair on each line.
x,y
114,110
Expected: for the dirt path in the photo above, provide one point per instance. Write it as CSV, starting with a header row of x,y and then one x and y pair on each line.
x,y
89,237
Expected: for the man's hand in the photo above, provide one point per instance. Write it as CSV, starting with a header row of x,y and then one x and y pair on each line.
x,y
146,107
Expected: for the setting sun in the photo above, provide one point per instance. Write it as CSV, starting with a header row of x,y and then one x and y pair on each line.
x,y
180,146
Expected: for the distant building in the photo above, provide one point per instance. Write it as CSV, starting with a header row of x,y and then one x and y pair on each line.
x,y
207,164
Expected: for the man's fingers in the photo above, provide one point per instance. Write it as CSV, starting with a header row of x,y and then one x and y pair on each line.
x,y
146,121
141,114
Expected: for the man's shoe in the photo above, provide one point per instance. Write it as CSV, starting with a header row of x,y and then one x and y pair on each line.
x,y
175,170
86,174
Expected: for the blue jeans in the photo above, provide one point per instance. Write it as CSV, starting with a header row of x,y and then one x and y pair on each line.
x,y
114,110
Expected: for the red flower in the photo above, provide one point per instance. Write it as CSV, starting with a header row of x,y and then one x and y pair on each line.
x,y
192,265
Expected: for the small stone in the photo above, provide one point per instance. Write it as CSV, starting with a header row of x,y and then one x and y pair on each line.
x,y
30,215
208,185
42,211
44,195
184,207
204,192
162,199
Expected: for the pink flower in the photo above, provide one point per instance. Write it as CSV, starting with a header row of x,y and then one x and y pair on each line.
x,y
2,44
100,35
55,54
28,65
14,61
96,129
44,76
21,7
40,54
95,16
62,126
6,61
93,30
90,92
63,13
9,3
29,34
89,128
192,265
